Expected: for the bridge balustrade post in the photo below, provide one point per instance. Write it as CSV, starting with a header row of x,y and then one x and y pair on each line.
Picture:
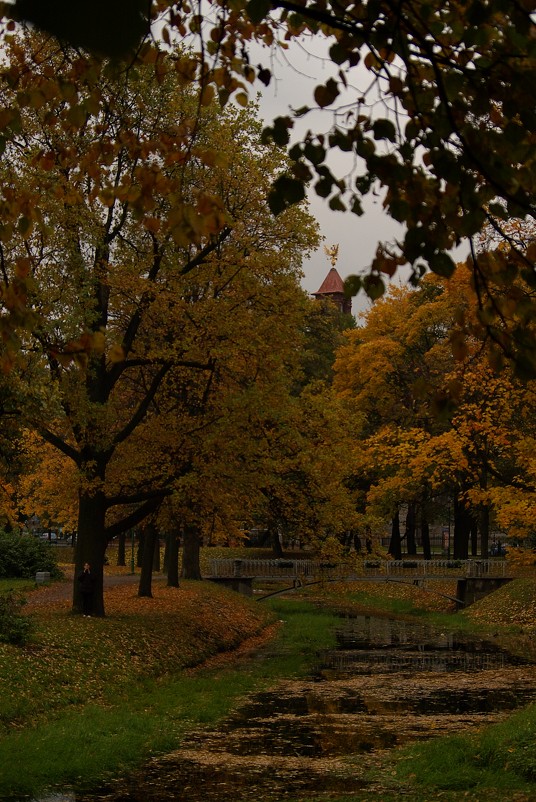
x,y
473,568
237,568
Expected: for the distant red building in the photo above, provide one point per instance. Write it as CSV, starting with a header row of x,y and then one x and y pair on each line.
x,y
333,288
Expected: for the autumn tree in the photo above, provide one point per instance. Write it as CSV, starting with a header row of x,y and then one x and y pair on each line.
x,y
225,451
323,330
148,263
303,460
275,456
12,463
437,419
392,369
431,101
48,485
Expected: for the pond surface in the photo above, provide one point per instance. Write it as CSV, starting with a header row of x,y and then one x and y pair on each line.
x,y
389,682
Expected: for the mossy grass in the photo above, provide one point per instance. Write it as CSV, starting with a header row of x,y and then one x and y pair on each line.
x,y
16,585
495,762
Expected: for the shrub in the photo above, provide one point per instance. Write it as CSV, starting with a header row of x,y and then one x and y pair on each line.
x,y
15,628
517,555
24,555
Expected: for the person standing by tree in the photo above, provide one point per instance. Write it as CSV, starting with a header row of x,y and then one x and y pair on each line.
x,y
87,586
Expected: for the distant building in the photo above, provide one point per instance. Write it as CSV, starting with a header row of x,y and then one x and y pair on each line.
x,y
333,288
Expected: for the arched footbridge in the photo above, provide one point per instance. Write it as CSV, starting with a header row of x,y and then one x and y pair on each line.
x,y
474,578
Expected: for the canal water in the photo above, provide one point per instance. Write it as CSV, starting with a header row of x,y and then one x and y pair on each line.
x,y
388,682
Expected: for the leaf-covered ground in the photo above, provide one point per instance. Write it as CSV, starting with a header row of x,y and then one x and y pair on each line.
x,y
73,660
512,605
342,737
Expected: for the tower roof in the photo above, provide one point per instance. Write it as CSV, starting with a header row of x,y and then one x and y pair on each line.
x,y
333,283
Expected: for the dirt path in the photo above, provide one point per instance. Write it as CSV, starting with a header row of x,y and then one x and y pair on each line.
x,y
47,595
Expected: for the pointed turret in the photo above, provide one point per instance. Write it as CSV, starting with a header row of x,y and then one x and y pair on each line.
x,y
333,287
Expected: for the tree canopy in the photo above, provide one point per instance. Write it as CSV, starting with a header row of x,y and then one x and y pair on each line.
x,y
432,423
432,102
137,244
162,290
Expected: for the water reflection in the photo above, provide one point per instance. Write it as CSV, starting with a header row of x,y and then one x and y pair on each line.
x,y
389,682
382,644
367,632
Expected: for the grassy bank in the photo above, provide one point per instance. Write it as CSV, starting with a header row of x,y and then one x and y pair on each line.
x,y
88,697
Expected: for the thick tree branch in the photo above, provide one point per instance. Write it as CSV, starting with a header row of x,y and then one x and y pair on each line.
x,y
209,248
136,498
60,444
141,411
138,515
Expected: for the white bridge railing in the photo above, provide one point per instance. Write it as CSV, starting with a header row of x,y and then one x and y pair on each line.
x,y
266,569
312,569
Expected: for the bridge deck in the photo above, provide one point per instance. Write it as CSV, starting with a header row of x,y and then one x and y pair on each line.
x,y
369,570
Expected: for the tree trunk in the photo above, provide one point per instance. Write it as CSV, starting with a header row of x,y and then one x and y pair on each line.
x,y
121,551
474,538
141,548
132,549
395,545
156,553
484,532
165,560
410,529
90,547
191,568
462,528
173,542
150,536
275,540
483,522
425,536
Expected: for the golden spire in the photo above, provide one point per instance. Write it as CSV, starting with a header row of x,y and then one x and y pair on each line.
x,y
332,253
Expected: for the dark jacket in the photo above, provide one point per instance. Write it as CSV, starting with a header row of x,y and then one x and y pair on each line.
x,y
87,582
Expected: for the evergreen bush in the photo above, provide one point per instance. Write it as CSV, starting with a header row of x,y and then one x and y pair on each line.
x,y
15,628
23,555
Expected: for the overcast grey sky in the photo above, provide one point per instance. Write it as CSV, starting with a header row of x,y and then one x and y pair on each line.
x,y
357,237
